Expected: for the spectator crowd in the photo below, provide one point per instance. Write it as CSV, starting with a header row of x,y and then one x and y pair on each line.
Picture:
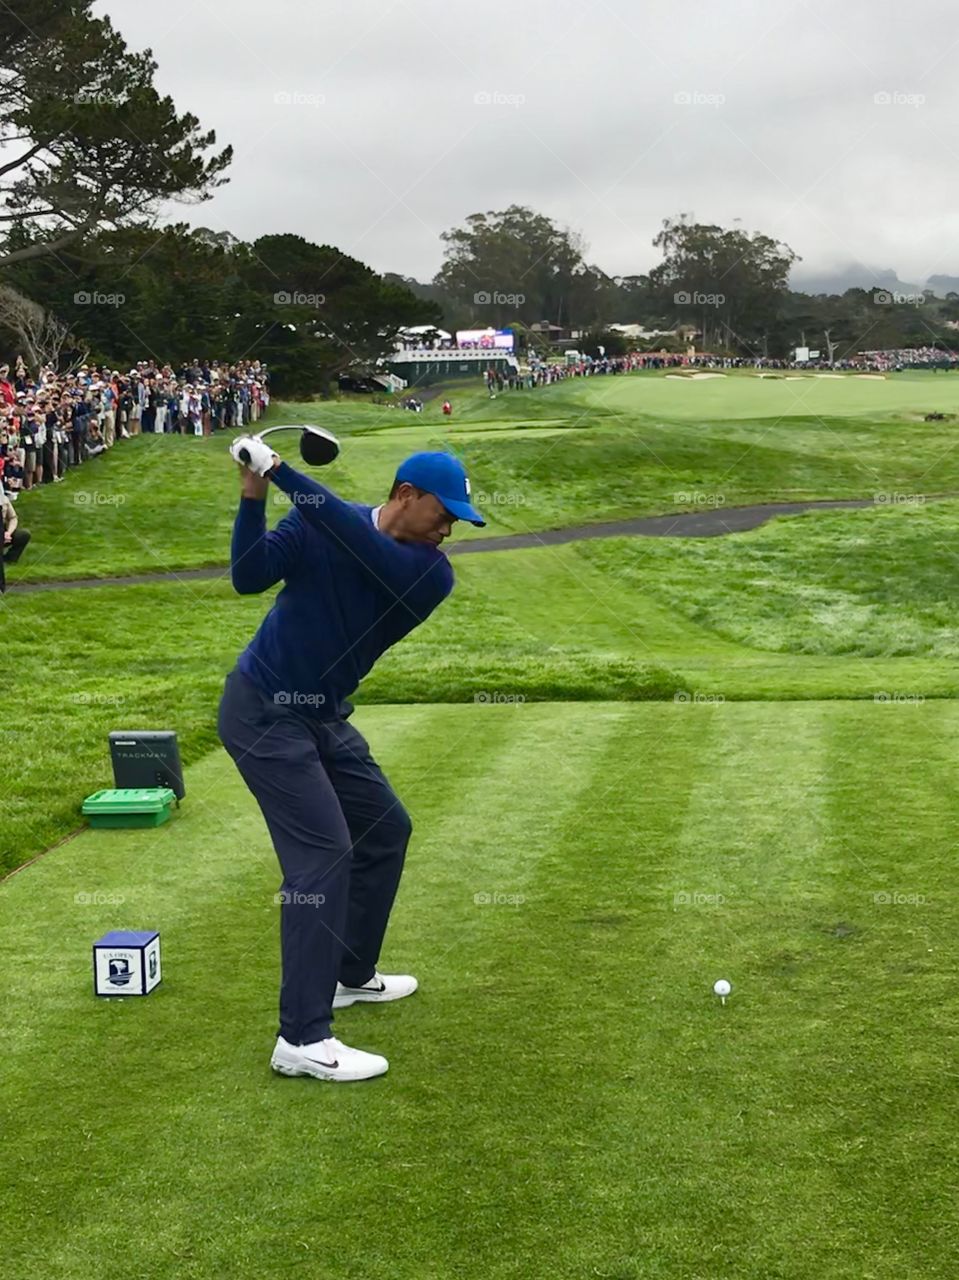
x,y
540,373
910,358
868,361
543,373
56,421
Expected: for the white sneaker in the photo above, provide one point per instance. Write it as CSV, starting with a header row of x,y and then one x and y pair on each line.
x,y
326,1060
381,987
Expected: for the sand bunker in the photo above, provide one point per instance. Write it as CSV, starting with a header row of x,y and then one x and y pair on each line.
x,y
694,377
827,375
873,377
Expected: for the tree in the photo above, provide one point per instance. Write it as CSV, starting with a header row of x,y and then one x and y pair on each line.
x,y
89,144
830,347
137,292
319,312
38,335
513,264
594,298
636,301
307,310
612,342
732,281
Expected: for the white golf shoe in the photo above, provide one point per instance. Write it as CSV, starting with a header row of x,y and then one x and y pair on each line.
x,y
380,988
326,1060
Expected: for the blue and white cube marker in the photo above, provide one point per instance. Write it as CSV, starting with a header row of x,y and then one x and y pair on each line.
x,y
126,962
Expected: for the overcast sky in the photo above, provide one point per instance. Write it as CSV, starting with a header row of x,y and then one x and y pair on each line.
x,y
374,125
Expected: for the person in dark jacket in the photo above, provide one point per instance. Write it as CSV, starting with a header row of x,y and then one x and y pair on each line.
x,y
356,581
13,538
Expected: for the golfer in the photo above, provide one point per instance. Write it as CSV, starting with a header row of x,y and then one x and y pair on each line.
x,y
356,580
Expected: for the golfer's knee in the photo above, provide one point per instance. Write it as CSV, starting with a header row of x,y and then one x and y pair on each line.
x,y
395,835
386,840
399,826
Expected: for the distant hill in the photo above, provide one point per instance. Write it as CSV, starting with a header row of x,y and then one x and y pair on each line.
x,y
943,285
856,275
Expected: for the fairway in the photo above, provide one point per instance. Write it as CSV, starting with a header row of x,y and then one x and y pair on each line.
x,y
605,448
634,766
855,604
566,1095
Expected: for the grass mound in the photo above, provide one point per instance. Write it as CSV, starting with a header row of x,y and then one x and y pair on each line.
x,y
869,583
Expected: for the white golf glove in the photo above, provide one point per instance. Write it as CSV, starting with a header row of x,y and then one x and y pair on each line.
x,y
260,454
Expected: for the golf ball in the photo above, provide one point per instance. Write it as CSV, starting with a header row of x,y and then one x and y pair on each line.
x,y
722,987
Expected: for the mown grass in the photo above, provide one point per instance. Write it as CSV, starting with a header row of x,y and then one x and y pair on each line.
x,y
566,1097
127,657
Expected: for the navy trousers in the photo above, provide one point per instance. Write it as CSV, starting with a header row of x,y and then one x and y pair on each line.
x,y
11,553
340,834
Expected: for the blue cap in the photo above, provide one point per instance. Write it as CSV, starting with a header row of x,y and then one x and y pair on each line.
x,y
444,476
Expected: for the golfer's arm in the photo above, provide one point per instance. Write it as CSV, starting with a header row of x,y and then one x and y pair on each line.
x,y
387,561
260,558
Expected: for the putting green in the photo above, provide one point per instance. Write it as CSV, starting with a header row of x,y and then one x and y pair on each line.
x,y
745,395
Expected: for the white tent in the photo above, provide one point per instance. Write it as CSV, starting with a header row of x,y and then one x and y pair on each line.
x,y
417,330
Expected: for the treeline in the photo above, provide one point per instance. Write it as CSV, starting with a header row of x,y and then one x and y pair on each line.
x,y
307,310
726,288
312,312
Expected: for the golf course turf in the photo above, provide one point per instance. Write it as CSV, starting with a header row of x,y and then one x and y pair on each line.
x,y
634,766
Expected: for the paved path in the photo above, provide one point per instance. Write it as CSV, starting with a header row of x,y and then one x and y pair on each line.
x,y
711,522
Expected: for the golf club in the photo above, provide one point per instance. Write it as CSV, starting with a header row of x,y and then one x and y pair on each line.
x,y
317,446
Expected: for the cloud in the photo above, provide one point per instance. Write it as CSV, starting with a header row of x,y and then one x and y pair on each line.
x,y
376,126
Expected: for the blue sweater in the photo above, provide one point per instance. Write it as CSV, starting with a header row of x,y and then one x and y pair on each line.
x,y
350,592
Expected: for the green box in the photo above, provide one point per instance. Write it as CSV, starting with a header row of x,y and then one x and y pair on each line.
x,y
130,807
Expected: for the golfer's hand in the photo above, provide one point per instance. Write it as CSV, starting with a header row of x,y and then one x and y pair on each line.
x,y
260,458
7,538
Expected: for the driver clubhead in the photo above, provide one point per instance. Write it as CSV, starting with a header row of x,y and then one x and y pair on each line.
x,y
318,447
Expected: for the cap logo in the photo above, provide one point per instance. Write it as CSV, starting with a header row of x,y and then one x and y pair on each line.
x,y
467,479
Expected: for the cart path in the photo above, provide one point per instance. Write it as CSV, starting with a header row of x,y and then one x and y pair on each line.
x,y
711,522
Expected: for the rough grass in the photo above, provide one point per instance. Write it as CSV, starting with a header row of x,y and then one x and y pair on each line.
x,y
870,583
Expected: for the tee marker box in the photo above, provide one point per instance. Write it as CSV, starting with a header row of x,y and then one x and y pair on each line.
x,y
126,962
